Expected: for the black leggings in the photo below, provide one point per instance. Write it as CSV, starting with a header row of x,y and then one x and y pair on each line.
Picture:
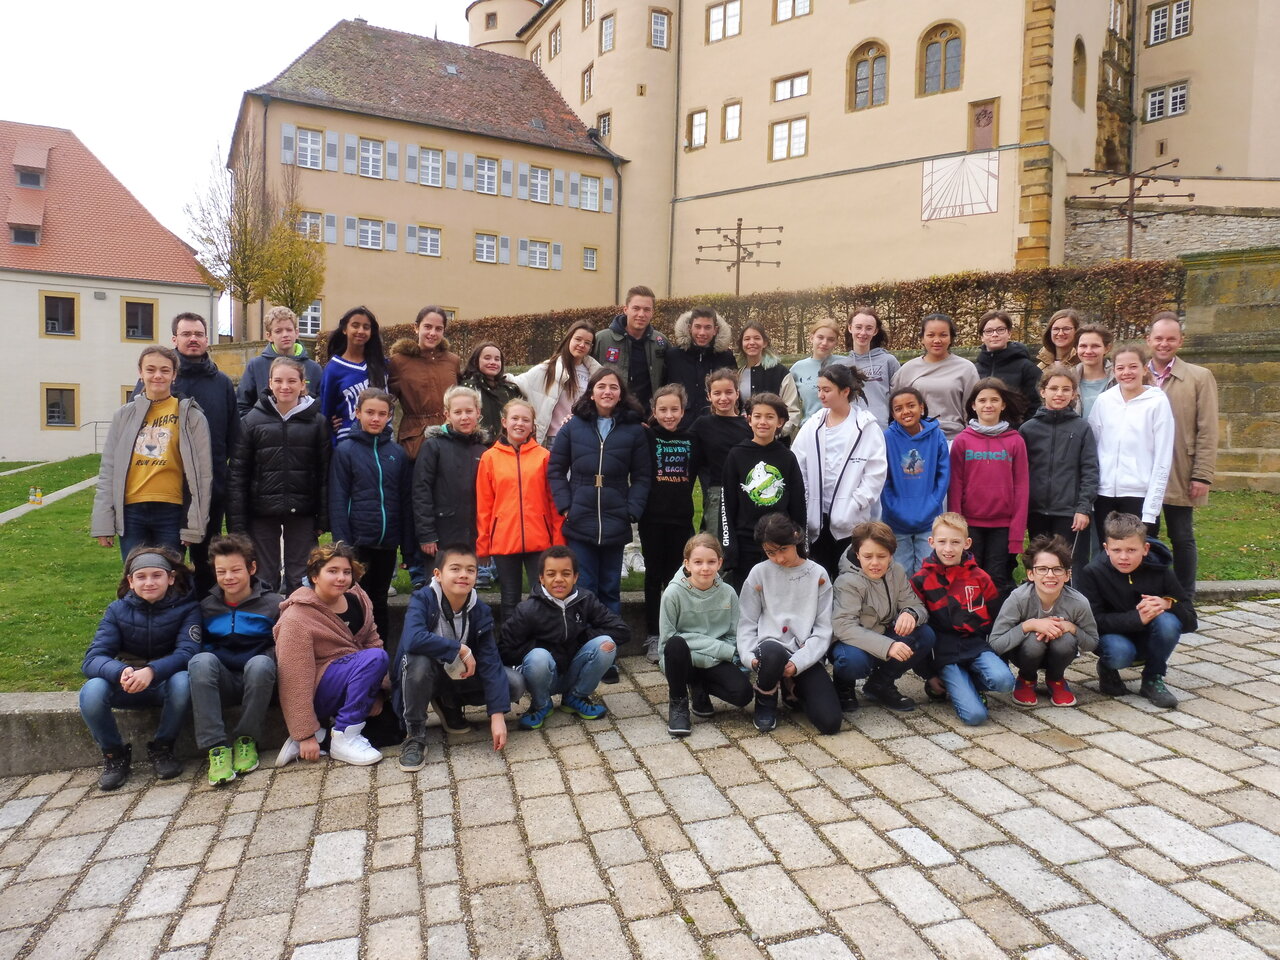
x,y
814,689
1104,505
749,554
662,545
511,566
725,680
991,553
379,571
827,550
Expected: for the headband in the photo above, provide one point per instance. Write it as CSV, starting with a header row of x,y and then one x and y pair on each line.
x,y
144,560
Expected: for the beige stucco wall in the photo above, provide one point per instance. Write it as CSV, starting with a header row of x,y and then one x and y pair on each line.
x,y
98,362
508,17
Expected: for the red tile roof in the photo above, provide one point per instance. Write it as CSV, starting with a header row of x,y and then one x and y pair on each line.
x,y
380,72
92,226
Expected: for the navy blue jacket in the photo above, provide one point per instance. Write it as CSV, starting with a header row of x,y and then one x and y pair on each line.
x,y
421,620
133,633
237,634
370,491
602,510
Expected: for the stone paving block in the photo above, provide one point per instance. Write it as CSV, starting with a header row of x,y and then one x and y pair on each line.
x,y
633,781
1127,746
343,813
662,834
645,732
493,855
1151,909
981,792
1052,952
1191,774
824,946
27,904
137,938
348,949
1022,752
729,766
647,804
1019,875
771,904
1250,838
861,846
336,858
711,915
759,799
592,780
1212,900
685,870
108,882
443,904
327,913
567,875
487,800
476,760
1254,883
63,856
914,896
393,892
854,750
1264,933
1183,805
437,803
73,934
344,779
1105,832
728,844
694,798
946,819
537,778
789,775
794,841
186,846
591,931
737,946
449,942
920,846
901,782
508,922
1108,765
616,847
394,793
822,806
212,887
963,940
1214,944
134,837
924,755
395,852
397,939
639,891
1062,807
16,812
1003,923
1097,934
844,783
438,866
960,883
665,938
879,933
665,760
265,885
194,926
1170,836
281,831
1056,841
1088,789
1151,864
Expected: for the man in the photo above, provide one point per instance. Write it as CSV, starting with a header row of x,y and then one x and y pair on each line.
x,y
281,325
632,345
1193,395
199,379
701,343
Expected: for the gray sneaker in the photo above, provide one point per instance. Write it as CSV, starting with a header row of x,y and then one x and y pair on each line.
x,y
1153,689
651,648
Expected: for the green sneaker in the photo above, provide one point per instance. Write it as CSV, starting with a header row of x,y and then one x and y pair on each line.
x,y
220,768
245,755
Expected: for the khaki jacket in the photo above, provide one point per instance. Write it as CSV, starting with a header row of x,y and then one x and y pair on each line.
x,y
1193,397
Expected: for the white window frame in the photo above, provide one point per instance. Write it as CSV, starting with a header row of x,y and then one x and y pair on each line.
x,y
430,241
589,193
487,175
659,29
588,13
697,129
540,184
554,40
536,55
485,248
731,121
1168,21
311,320
1180,22
369,234
1167,101
310,225
604,123
590,255
309,149
791,127
1176,99
724,20
539,254
608,24
431,166
789,88
371,158
790,9
587,82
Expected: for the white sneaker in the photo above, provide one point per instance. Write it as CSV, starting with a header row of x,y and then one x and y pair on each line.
x,y
391,591
290,751
350,746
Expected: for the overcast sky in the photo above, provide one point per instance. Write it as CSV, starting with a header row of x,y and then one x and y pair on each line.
x,y
153,88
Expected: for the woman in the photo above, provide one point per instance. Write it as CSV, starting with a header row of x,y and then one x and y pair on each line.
x,y
1001,357
421,371
944,379
355,364
868,343
555,384
600,478
1060,339
841,452
1093,344
760,371
823,336
485,373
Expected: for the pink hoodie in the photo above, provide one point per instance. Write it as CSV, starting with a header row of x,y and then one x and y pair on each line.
x,y
989,482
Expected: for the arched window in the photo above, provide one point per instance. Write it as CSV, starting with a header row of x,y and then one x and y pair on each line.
x,y
1079,74
868,75
941,59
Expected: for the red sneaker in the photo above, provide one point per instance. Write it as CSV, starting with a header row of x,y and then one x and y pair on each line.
x,y
1060,693
1025,693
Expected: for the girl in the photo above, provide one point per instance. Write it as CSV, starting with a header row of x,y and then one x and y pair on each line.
x,y
943,379
554,385
697,632
918,473
601,477
999,357
138,659
869,355
716,433
668,514
420,371
760,371
330,659
878,622
444,478
989,480
841,453
823,335
515,514
1133,423
1045,623
278,476
1062,464
370,485
1060,339
1093,343
355,364
485,374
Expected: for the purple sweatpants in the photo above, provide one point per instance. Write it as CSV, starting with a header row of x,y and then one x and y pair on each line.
x,y
347,689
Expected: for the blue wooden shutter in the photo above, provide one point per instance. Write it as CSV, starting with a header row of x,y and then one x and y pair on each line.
x,y
330,228
393,160
288,133
331,150
349,232
558,180
608,194
522,255
504,249
411,239
468,171
350,161
522,191
575,181
508,168
411,164
557,256
451,169
390,241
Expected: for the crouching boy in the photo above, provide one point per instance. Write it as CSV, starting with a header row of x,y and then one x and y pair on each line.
x,y
447,652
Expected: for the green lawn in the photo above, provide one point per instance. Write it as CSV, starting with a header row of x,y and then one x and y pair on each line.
x,y
7,465
1238,534
48,477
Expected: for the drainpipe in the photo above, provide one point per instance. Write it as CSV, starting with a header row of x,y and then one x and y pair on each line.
x,y
594,136
678,142
262,304
1134,24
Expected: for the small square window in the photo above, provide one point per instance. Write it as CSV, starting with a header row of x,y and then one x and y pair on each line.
x,y
491,21
787,9
589,193
486,248
139,319
539,254
59,314
311,225
724,20
31,178
310,320
536,55
486,175
369,234
430,167
310,149
788,88
539,185
371,158
1177,99
588,12
790,138
586,84
59,405
589,258
25,236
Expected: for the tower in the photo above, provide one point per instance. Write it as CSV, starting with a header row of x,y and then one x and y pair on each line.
x,y
493,24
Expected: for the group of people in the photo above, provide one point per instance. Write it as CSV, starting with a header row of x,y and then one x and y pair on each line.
x,y
856,512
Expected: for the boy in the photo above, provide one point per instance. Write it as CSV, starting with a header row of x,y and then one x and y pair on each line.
x,y
281,326
1139,605
238,661
561,640
784,627
447,651
761,476
956,592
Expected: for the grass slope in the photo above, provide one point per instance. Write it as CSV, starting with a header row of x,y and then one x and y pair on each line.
x,y
48,477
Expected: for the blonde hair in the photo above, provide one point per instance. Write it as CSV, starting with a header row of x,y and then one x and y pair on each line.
x,y
276,314
703,540
828,323
520,402
456,391
952,520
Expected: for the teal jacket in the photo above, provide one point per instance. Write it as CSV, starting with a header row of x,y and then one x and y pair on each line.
x,y
707,619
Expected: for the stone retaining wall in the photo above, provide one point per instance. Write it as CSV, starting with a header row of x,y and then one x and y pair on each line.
x,y
1167,236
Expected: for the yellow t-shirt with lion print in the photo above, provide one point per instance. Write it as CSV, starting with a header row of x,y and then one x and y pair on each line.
x,y
155,469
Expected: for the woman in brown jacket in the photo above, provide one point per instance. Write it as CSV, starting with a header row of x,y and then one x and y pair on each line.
x,y
419,373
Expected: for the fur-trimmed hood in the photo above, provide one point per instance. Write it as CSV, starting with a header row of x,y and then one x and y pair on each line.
x,y
681,337
408,347
481,435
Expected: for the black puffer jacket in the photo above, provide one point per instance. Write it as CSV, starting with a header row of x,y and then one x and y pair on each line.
x,y
1062,462
280,467
1114,596
444,486
689,365
559,628
601,511
1015,367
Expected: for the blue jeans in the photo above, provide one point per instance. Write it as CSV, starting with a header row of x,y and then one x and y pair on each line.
x,y
1154,644
580,680
152,525
600,570
965,680
99,696
912,549
850,663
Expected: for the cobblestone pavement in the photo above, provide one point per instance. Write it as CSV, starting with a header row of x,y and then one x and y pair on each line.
x,y
1106,831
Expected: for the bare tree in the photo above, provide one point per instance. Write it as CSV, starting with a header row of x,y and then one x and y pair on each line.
x,y
297,258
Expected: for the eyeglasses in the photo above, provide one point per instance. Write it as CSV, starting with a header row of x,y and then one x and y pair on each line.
x,y
1048,571
1063,329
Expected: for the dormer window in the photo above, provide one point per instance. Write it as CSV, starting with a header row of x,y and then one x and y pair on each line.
x,y
34,179
25,236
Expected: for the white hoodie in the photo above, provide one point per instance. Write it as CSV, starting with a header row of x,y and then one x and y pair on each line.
x,y
1135,446
861,477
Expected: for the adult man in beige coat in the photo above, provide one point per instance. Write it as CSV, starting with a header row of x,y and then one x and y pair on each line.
x,y
1193,395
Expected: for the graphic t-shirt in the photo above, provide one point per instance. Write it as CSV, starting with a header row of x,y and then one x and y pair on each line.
x,y
155,468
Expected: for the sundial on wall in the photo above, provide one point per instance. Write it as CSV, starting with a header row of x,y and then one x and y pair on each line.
x,y
959,186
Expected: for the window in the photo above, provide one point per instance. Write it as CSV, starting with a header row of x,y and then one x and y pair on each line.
x,y
724,20
139,318
586,84
869,76
1169,21
536,55
604,123
429,241
659,29
58,314
589,193
1166,101
61,405
731,122
486,248
430,167
539,185
25,236
486,175
370,158
539,254
311,225
34,179
491,21
941,58
788,88
606,33
695,130
589,255
790,138
369,234
310,320
310,149
787,9
1079,74
553,41
588,13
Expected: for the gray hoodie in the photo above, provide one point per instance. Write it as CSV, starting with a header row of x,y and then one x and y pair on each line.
x,y
1023,604
789,605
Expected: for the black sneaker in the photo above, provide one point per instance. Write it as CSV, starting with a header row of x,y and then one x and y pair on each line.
x,y
413,754
611,675
452,719
700,701
888,694
678,723
115,767
848,694
1153,689
766,716
935,696
163,762
1109,682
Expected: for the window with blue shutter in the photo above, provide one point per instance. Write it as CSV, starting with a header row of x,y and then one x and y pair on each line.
x,y
522,188
508,169
559,182
393,160
330,228
351,157
468,171
411,239
349,232
331,150
451,169
287,133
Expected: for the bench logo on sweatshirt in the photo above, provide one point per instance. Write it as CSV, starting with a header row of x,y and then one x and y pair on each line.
x,y
764,485
1001,454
